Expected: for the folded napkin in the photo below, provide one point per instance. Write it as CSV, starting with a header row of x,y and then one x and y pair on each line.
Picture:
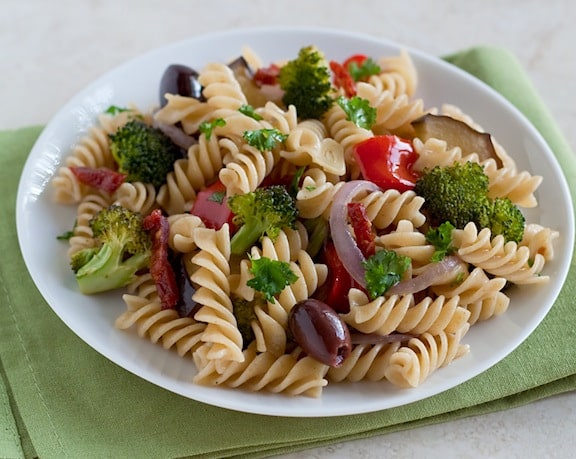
x,y
59,398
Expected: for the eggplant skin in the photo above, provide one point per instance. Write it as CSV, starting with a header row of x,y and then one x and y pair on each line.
x,y
456,133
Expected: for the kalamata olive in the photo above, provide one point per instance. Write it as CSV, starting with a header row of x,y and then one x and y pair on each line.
x,y
320,332
182,80
186,306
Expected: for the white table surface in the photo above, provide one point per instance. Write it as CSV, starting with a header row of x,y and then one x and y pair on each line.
x,y
51,49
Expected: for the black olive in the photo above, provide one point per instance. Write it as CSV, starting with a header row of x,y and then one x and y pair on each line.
x,y
320,332
186,306
182,80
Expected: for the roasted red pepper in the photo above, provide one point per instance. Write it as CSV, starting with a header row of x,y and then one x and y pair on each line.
x,y
267,75
387,161
102,178
160,266
341,79
334,291
362,227
211,207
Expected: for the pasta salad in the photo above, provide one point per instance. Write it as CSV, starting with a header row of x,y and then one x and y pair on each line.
x,y
293,224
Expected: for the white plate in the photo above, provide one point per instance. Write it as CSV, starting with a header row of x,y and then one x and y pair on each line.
x,y
91,318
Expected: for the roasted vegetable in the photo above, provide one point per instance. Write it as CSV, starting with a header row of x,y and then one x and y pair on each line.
x,y
143,153
306,83
123,248
264,211
456,133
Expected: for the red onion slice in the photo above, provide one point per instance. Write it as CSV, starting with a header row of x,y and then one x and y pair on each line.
x,y
344,242
435,273
177,135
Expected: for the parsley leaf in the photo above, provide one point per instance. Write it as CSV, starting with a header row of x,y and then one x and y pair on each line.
x,y
207,127
358,110
264,139
361,72
114,110
270,276
295,183
217,197
248,110
441,239
66,235
384,269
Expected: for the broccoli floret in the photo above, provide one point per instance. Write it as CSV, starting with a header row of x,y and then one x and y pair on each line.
x,y
143,153
457,194
306,83
505,218
264,211
123,248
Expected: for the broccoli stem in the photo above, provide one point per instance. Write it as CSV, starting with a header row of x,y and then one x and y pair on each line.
x,y
244,238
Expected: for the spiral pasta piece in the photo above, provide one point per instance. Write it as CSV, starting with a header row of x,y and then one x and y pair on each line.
x,y
182,232
315,197
365,362
278,118
413,363
435,152
402,314
345,132
408,241
385,208
136,196
221,89
247,170
190,174
398,74
289,374
144,311
82,236
519,187
495,256
213,293
307,143
91,151
539,240
393,112
187,111
481,295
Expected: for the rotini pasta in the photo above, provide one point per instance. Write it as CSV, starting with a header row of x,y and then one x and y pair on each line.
x,y
213,293
508,260
410,365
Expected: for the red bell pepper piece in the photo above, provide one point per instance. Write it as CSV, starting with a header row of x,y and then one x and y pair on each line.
x,y
387,161
334,292
212,208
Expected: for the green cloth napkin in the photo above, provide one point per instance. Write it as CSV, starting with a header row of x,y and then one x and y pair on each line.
x,y
59,398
